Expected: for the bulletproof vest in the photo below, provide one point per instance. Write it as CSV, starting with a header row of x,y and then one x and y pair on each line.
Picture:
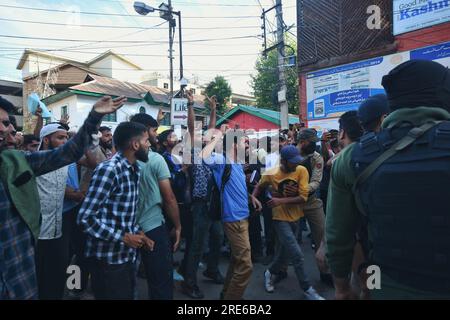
x,y
407,206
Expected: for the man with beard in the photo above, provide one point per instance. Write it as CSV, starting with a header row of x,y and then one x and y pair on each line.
x,y
19,200
287,210
106,142
108,215
313,208
30,143
11,140
51,256
156,195
203,225
103,151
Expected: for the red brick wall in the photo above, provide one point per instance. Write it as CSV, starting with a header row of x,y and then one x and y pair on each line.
x,y
424,37
302,99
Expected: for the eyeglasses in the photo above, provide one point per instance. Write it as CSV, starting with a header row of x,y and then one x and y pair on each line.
x,y
6,123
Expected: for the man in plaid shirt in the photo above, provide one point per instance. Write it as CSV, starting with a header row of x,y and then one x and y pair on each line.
x,y
19,202
108,215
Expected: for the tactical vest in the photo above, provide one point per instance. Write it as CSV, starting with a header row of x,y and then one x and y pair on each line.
x,y
407,206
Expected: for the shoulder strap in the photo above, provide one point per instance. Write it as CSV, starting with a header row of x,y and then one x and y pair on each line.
x,y
403,143
226,176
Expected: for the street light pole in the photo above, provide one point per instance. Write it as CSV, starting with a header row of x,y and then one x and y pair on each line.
x,y
171,53
166,12
181,45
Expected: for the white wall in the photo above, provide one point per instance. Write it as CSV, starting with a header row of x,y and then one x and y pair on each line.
x,y
36,63
103,66
125,72
79,107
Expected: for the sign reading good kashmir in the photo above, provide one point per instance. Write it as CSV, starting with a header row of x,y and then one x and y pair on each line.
x,y
331,92
410,15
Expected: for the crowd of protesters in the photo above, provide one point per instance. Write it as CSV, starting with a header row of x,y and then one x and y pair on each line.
x,y
118,205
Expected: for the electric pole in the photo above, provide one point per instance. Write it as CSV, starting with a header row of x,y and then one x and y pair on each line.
x,y
284,110
171,33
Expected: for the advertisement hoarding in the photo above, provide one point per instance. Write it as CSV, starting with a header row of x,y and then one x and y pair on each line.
x,y
331,92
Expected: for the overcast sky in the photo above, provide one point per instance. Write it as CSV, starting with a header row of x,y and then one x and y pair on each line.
x,y
201,20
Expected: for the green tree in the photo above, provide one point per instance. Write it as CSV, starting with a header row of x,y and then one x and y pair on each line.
x,y
265,82
220,88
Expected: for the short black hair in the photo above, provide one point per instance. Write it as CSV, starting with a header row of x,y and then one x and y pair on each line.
x,y
145,119
6,105
163,136
29,138
104,128
349,122
125,132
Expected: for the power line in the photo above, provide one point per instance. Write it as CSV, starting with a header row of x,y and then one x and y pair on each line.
x,y
130,69
124,41
120,27
191,4
119,14
131,54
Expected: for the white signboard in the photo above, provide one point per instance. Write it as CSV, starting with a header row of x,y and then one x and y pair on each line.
x,y
410,15
331,92
179,112
324,125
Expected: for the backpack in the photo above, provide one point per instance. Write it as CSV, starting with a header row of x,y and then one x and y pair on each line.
x,y
215,194
179,181
401,192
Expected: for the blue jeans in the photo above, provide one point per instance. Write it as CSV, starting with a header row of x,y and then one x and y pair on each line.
x,y
289,249
202,227
158,265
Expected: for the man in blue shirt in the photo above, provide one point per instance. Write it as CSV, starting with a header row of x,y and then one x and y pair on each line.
x,y
235,211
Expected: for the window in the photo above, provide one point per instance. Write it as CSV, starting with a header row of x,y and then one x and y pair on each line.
x,y
193,91
142,110
64,111
112,117
166,85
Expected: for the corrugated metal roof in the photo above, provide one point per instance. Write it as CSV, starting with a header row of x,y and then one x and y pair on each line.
x,y
114,87
266,114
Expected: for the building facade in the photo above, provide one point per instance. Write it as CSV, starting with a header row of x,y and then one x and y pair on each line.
x,y
348,45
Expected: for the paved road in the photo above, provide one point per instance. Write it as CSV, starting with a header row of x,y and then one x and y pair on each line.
x,y
287,289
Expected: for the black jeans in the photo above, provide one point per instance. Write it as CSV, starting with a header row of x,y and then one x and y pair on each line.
x,y
75,239
112,281
158,265
254,230
51,264
202,226
186,233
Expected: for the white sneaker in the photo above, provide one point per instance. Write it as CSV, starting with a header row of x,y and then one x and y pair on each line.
x,y
268,282
311,294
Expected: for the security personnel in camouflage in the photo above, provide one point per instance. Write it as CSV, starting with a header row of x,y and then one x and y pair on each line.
x,y
313,161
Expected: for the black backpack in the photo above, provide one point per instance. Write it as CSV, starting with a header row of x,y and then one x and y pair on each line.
x,y
402,194
215,193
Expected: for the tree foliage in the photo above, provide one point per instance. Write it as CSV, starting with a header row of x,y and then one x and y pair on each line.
x,y
220,88
265,82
